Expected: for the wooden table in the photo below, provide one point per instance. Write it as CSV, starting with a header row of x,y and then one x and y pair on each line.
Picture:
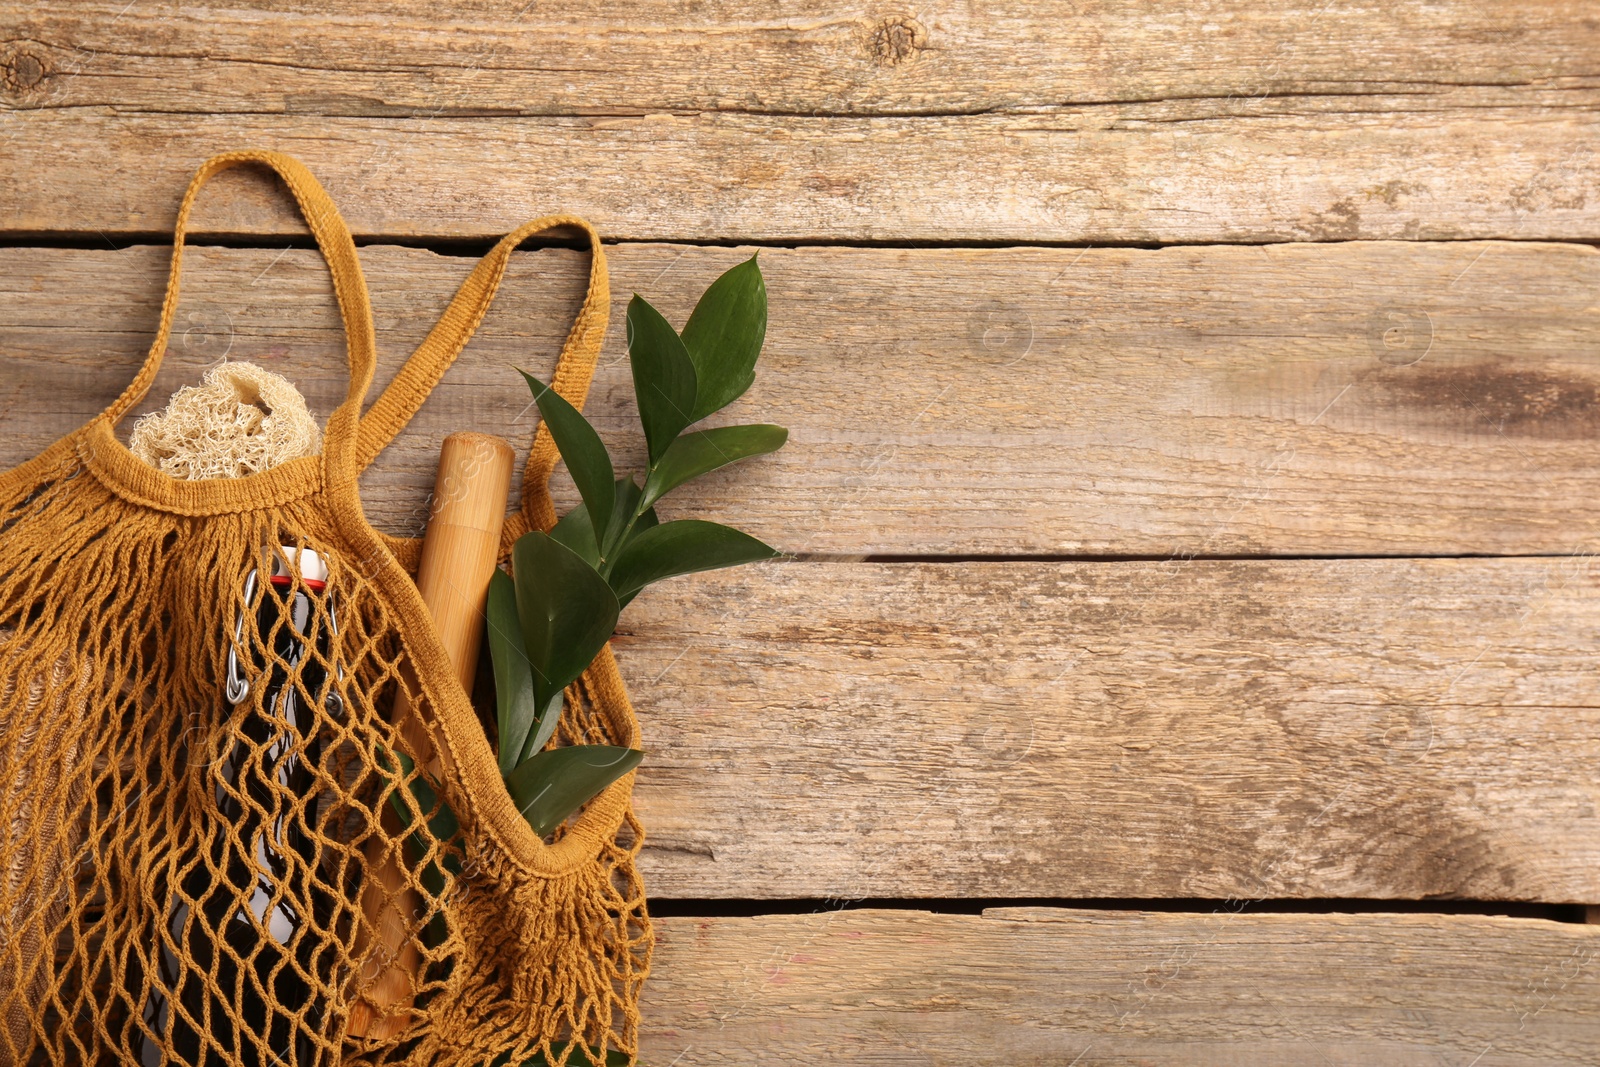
x,y
1194,473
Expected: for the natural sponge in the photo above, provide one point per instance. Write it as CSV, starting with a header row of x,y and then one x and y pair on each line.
x,y
239,420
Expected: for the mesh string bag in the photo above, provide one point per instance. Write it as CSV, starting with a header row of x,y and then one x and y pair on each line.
x,y
196,687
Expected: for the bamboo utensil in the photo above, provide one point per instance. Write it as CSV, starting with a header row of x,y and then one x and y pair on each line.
x,y
459,551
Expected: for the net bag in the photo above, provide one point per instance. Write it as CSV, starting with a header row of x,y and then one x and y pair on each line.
x,y
197,680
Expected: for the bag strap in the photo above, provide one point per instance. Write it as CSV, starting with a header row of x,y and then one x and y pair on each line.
x,y
349,289
395,407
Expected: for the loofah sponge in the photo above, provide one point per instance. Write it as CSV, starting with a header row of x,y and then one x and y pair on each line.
x,y
239,420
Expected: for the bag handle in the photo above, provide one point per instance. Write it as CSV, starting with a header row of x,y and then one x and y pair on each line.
x,y
401,399
349,289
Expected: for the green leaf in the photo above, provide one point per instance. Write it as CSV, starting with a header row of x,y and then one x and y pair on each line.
x,y
627,501
540,735
724,336
683,547
397,799
566,609
587,459
663,376
517,709
699,453
628,494
552,785
441,824
577,533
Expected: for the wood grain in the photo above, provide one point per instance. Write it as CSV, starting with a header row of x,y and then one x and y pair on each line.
x,y
816,57
1378,398
1323,728
1483,162
1240,730
1043,987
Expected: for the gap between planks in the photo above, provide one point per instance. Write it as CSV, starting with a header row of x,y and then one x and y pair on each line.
x,y
733,907
1480,170
475,247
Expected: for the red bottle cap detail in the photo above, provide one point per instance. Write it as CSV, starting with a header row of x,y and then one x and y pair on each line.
x,y
312,567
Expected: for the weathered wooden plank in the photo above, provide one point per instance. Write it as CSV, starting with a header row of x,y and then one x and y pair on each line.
x,y
1484,162
1036,987
1357,399
1352,728
817,57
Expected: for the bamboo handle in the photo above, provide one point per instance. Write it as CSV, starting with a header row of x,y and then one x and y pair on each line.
x,y
458,557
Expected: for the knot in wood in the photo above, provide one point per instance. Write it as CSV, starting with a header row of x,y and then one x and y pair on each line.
x,y
897,39
22,70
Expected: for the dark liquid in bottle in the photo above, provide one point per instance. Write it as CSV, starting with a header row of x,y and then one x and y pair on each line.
x,y
248,919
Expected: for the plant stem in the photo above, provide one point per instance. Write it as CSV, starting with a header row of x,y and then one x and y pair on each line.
x,y
622,538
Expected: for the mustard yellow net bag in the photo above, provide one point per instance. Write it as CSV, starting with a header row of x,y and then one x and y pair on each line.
x,y
201,774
